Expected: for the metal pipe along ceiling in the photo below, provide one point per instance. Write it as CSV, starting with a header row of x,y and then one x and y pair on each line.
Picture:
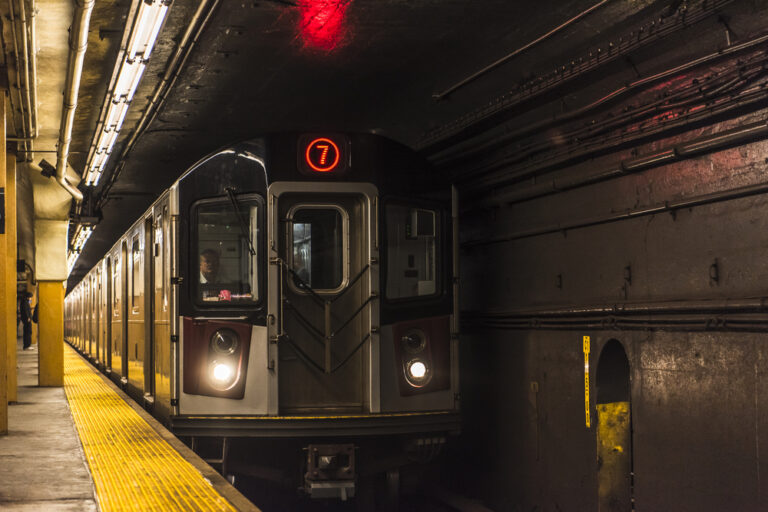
x,y
78,42
24,128
33,63
25,46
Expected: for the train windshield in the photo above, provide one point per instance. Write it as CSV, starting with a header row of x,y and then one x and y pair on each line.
x,y
228,270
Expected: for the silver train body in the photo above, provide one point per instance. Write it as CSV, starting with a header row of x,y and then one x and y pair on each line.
x,y
296,289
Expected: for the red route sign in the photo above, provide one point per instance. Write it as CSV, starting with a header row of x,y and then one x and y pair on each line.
x,y
322,155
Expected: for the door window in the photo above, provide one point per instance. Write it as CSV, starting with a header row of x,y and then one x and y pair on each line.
x,y
318,242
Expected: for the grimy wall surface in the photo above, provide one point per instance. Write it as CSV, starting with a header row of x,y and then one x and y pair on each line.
x,y
643,220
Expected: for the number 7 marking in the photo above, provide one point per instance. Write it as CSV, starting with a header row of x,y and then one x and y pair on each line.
x,y
324,154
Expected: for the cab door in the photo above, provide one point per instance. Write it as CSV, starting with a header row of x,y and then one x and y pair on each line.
x,y
323,290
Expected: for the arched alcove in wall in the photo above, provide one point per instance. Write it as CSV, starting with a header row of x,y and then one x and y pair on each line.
x,y
613,374
614,429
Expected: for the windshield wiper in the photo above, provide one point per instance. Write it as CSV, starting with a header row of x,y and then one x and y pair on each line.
x,y
243,225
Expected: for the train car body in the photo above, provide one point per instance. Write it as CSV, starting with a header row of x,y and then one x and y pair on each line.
x,y
291,292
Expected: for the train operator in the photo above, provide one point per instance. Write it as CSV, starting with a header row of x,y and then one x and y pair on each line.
x,y
209,266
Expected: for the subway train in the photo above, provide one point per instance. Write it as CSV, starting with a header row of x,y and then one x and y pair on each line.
x,y
288,307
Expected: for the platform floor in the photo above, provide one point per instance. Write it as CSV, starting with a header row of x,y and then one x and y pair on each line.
x,y
86,448
42,466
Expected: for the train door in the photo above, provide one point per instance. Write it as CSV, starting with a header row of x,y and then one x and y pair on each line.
x,y
99,316
108,286
324,244
94,321
120,314
161,339
136,312
149,309
90,313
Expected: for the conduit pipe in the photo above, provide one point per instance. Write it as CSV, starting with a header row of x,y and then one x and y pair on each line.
x,y
33,62
194,29
26,129
739,305
25,50
680,314
499,62
679,152
188,41
78,42
667,206
544,124
482,119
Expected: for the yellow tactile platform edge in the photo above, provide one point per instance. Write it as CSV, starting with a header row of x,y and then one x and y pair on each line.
x,y
133,468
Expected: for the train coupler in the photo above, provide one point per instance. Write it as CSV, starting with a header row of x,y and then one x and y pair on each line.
x,y
330,471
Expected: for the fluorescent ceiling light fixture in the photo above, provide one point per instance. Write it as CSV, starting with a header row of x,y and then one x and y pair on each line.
x,y
101,146
120,119
137,78
112,140
146,26
82,234
71,260
97,166
148,22
98,175
113,113
116,116
127,81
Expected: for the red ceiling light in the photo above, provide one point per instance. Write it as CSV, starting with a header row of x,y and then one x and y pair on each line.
x,y
322,22
322,155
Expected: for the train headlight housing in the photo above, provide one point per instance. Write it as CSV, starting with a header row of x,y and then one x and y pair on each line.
x,y
225,341
414,341
222,374
417,372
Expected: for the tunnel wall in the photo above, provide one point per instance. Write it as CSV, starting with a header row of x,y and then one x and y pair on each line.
x,y
696,350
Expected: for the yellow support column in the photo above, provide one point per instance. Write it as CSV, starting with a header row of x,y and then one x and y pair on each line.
x,y
10,271
51,324
4,335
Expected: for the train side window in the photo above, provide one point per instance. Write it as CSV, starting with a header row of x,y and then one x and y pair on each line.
x,y
164,248
116,289
228,273
412,258
318,237
137,283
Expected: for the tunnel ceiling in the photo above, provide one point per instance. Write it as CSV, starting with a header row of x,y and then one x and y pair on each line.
x,y
371,65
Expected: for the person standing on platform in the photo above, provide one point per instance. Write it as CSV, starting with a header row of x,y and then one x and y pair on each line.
x,y
27,317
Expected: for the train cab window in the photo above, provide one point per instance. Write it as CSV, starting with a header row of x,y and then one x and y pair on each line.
x,y
317,235
412,241
228,271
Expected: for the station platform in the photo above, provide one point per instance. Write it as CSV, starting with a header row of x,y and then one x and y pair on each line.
x,y
88,447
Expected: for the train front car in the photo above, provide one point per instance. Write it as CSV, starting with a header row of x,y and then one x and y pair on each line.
x,y
299,323
316,309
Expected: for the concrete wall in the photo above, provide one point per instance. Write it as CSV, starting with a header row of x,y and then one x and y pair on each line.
x,y
699,415
696,344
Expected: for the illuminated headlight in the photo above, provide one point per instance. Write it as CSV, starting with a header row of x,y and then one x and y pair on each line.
x,y
222,375
225,341
417,372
